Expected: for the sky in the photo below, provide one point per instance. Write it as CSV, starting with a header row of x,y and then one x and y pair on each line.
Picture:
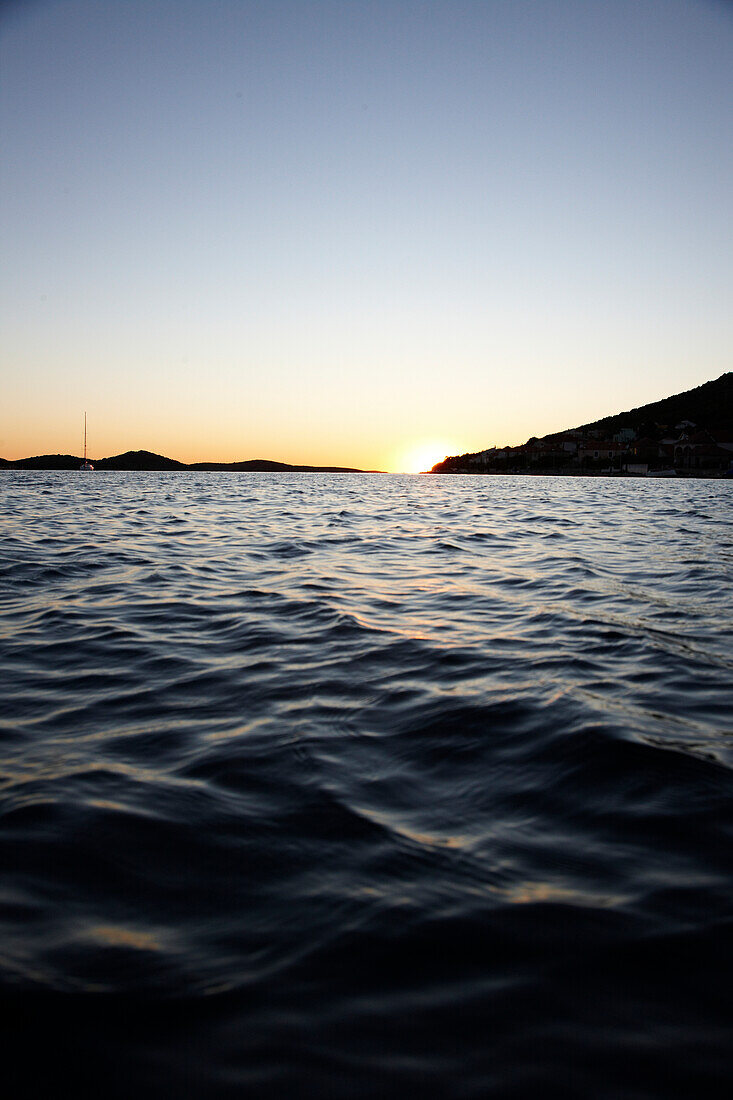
x,y
362,234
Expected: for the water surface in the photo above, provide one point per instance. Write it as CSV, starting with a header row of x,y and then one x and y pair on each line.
x,y
357,785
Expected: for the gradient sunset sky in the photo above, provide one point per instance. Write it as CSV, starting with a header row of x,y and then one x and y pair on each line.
x,y
346,233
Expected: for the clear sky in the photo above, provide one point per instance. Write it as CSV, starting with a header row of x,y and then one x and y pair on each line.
x,y
341,232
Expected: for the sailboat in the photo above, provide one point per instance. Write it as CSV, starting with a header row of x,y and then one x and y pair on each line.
x,y
85,465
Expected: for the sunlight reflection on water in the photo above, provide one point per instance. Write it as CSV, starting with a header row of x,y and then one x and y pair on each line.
x,y
458,746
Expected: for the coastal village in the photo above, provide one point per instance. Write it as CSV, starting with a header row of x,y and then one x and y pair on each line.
x,y
682,450
630,444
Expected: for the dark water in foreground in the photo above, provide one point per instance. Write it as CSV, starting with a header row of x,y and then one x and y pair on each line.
x,y
327,785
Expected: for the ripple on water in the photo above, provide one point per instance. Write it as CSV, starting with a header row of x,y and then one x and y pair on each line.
x,y
366,785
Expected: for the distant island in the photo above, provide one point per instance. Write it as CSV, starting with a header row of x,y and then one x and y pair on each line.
x,y
148,460
689,434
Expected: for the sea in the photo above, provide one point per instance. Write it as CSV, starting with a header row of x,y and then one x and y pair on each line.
x,y
358,785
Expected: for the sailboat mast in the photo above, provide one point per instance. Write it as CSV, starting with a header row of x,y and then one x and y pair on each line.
x,y
85,465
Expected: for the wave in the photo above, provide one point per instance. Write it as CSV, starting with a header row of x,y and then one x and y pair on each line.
x,y
329,786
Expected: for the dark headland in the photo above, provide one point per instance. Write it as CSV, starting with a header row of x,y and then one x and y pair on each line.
x,y
147,460
689,434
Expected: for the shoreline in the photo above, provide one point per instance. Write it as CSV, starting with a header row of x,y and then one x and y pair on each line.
x,y
679,475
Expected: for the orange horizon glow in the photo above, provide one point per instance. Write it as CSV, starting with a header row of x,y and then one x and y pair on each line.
x,y
421,457
412,458
108,436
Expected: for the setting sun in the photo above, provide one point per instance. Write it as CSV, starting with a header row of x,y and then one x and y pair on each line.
x,y
423,456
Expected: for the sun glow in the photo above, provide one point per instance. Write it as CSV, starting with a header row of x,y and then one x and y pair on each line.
x,y
423,456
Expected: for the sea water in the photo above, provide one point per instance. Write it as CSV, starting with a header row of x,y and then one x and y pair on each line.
x,y
365,785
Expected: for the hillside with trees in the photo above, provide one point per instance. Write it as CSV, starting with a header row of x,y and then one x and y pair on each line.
x,y
690,433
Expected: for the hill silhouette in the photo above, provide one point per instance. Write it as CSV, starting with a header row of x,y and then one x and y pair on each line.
x,y
148,460
700,419
709,406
